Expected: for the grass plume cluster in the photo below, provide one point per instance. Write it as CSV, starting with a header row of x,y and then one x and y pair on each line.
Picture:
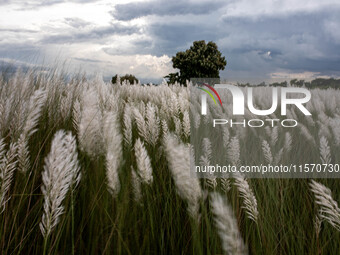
x,y
87,167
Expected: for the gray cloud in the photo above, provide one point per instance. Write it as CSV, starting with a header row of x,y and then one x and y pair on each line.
x,y
18,30
91,35
10,66
20,51
33,4
138,46
255,45
76,22
164,7
177,36
90,60
3,2
295,42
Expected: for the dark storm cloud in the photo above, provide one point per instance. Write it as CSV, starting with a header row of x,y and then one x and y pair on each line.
x,y
177,36
166,38
134,10
91,35
296,42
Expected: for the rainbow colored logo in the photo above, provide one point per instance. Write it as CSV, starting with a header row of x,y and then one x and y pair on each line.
x,y
213,90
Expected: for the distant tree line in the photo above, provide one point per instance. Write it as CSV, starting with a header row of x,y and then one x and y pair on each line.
x,y
317,83
127,77
320,83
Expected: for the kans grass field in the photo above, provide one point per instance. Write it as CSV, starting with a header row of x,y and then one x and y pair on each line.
x,y
88,167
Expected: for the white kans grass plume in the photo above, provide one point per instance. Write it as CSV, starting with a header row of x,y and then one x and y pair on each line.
x,y
114,154
205,160
183,99
288,142
335,126
67,98
141,124
127,121
90,125
2,114
178,126
165,128
136,186
142,108
2,148
324,130
76,115
305,132
143,162
317,224
328,207
54,87
233,151
211,181
23,153
268,131
225,135
186,125
267,152
61,172
8,164
36,105
309,121
278,156
174,107
197,118
187,186
274,136
226,224
248,196
66,101
206,148
241,133
325,151
225,185
152,124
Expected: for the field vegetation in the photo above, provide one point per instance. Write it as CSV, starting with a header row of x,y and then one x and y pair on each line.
x,y
88,167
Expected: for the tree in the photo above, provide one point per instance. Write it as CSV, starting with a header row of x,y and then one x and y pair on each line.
x,y
279,84
129,77
297,83
200,61
293,82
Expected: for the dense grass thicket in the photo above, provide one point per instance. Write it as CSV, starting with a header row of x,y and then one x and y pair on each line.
x,y
88,167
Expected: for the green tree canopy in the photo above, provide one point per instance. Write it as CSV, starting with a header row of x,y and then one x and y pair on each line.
x,y
200,61
129,77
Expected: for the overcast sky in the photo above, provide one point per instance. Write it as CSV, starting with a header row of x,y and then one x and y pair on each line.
x,y
261,39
